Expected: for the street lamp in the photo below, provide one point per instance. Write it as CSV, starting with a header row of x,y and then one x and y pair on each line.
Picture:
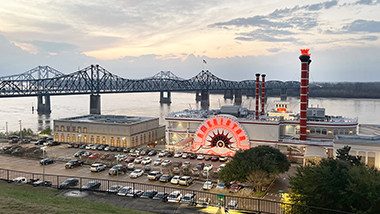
x,y
117,172
207,177
43,164
20,130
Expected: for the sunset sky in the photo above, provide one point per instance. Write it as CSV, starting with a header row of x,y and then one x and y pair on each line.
x,y
139,38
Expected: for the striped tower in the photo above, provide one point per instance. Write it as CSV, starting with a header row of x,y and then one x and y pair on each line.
x,y
257,95
262,93
305,61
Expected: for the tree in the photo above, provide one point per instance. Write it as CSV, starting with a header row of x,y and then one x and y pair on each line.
x,y
344,154
46,131
261,160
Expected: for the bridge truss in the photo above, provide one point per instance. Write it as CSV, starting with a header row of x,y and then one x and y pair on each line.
x,y
94,79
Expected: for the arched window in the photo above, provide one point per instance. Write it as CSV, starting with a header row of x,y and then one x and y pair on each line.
x,y
62,128
62,138
318,131
79,130
84,129
324,131
56,128
68,138
335,131
104,140
68,128
73,138
312,131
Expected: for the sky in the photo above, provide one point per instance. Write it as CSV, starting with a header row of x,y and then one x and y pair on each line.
x,y
237,38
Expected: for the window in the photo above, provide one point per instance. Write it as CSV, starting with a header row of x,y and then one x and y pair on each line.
x,y
341,131
62,128
346,132
73,128
141,139
68,128
149,137
56,128
62,138
73,138
312,131
56,137
104,140
362,154
324,131
79,130
318,131
68,138
335,132
144,138
133,141
371,159
97,140
84,130
92,139
85,139
155,134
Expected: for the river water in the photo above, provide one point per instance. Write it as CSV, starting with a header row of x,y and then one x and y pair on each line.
x,y
14,110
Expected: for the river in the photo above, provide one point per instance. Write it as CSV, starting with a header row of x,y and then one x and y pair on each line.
x,y
14,110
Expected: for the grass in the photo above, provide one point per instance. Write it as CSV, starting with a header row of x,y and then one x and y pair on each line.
x,y
22,198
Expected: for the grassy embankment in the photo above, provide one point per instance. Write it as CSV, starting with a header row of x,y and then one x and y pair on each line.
x,y
19,198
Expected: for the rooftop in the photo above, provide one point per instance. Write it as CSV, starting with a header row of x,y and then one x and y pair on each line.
x,y
109,119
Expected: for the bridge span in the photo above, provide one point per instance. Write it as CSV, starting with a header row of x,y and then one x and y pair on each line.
x,y
44,81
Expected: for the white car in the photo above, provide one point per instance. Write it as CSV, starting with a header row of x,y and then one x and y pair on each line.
x,y
208,185
158,162
131,166
175,179
162,153
220,167
138,160
146,161
97,167
135,192
208,167
136,173
20,180
115,188
124,191
166,162
175,197
178,154
200,157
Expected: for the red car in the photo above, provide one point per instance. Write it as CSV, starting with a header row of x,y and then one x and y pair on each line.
x,y
105,156
94,155
130,159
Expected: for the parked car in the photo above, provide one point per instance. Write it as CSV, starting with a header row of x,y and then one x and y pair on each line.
x,y
42,183
178,154
69,182
136,173
204,202
208,167
170,154
97,167
92,185
106,156
165,178
186,164
79,153
185,181
135,154
175,179
117,169
73,163
155,175
138,160
147,168
46,161
200,157
232,205
131,166
149,194
235,187
189,198
221,185
115,188
130,159
20,180
166,162
163,153
177,163
146,161
216,171
153,152
192,156
94,155
53,143
101,147
200,165
176,170
208,185
135,193
214,158
144,152
158,162
39,142
185,155
126,150
124,191
175,196
113,149
161,196
223,158
89,146
207,157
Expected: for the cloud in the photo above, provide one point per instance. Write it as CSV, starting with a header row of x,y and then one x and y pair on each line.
x,y
54,47
274,50
363,26
270,35
365,2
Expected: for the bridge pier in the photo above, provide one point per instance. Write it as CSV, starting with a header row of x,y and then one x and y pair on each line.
x,y
238,97
166,99
250,93
94,104
197,96
43,104
283,94
205,100
228,94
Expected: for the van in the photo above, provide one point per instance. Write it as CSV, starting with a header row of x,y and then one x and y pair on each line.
x,y
185,181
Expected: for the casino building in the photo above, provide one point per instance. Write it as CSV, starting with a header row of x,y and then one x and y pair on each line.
x,y
308,135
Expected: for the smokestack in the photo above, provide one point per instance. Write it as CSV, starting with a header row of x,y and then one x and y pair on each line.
x,y
257,95
305,61
262,93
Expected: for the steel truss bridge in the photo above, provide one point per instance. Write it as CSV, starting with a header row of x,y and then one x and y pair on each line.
x,y
94,79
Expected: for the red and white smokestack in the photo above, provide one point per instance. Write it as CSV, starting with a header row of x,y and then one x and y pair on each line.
x,y
305,61
257,95
262,93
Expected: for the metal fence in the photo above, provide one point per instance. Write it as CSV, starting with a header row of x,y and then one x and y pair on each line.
x,y
243,203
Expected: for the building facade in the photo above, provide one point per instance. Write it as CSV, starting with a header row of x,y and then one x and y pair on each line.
x,y
113,130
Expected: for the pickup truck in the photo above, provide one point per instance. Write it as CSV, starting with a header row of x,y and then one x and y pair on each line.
x,y
73,163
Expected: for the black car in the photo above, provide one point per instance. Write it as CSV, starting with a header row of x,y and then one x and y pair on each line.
x,y
46,161
101,147
70,145
214,158
41,183
147,168
79,153
170,154
149,194
192,156
119,149
40,142
161,196
69,182
126,150
54,143
165,178
73,163
82,146
92,185
200,165
112,149
153,152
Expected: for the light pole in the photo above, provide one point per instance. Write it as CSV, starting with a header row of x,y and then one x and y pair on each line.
x,y
20,130
43,165
207,178
117,173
